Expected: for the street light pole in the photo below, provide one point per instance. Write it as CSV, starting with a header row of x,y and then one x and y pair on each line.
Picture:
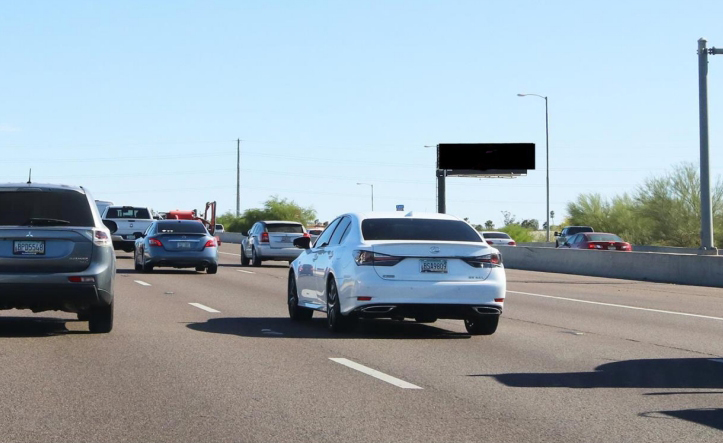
x,y
369,184
547,161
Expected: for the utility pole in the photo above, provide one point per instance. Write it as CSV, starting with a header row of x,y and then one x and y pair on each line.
x,y
706,211
441,191
238,177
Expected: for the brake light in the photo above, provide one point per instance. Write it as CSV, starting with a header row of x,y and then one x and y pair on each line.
x,y
264,237
485,261
154,242
591,246
369,258
512,243
307,235
78,279
101,238
210,244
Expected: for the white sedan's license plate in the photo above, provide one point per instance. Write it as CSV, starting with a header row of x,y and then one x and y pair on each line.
x,y
434,266
29,247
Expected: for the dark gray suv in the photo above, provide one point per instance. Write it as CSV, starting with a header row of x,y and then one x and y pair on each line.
x,y
55,253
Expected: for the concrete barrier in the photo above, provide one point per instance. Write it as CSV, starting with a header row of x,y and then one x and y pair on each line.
x,y
231,237
636,248
684,269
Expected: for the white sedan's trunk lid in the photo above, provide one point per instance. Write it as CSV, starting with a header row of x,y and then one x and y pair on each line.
x,y
432,260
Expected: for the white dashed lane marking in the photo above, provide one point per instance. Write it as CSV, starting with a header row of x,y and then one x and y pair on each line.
x,y
142,283
204,307
246,272
660,311
374,373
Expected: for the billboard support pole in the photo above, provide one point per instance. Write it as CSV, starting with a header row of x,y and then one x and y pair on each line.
x,y
441,191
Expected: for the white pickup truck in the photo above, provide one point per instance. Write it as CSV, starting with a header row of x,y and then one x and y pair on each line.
x,y
130,220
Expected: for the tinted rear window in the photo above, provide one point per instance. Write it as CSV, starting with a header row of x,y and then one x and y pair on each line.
x,y
602,237
315,231
18,207
285,227
495,235
128,213
573,231
418,229
186,228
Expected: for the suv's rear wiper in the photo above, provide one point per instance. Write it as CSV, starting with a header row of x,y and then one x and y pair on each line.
x,y
45,222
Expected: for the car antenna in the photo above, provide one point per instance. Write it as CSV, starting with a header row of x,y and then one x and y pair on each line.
x,y
30,175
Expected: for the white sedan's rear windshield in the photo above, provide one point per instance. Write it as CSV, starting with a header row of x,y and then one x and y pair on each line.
x,y
285,227
418,229
495,235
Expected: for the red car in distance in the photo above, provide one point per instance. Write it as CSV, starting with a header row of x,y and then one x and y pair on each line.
x,y
600,241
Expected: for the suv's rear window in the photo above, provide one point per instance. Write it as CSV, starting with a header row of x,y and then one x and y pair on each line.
x,y
495,235
285,227
127,213
418,229
190,227
18,207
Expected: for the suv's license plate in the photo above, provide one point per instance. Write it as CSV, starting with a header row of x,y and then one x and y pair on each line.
x,y
434,266
29,247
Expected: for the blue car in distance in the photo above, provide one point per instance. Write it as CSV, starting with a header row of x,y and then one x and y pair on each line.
x,y
176,244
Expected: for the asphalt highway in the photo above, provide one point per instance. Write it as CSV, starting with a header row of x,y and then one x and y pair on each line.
x,y
196,358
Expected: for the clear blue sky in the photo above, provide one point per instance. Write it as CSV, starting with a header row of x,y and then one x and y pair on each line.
x,y
142,102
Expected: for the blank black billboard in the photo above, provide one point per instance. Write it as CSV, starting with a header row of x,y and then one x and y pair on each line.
x,y
486,156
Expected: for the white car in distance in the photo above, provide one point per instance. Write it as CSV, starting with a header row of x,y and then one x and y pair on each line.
x,y
396,265
498,238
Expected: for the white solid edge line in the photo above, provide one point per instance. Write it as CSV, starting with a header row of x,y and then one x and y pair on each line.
x,y
620,306
246,272
205,308
229,253
374,373
142,283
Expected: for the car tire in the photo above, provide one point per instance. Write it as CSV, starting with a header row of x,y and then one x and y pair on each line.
x,y
200,268
482,325
83,315
425,319
145,267
255,260
244,260
100,319
335,320
557,245
296,312
212,269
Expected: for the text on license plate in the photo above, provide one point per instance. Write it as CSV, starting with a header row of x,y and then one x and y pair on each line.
x,y
434,266
29,247
183,244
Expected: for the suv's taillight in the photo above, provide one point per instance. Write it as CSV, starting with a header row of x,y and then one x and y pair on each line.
x,y
101,238
369,258
154,242
264,237
485,261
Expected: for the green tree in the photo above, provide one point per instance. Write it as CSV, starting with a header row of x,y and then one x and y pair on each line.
x,y
275,208
518,233
531,224
489,225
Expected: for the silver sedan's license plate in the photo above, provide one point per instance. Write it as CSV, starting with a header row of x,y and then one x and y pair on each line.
x,y
29,247
434,266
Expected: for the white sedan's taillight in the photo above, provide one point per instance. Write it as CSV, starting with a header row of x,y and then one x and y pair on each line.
x,y
485,261
101,238
369,258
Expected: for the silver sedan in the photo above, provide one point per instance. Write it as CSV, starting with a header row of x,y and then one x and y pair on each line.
x,y
176,244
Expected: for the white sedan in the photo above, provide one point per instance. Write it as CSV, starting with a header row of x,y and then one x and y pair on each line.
x,y
498,238
396,265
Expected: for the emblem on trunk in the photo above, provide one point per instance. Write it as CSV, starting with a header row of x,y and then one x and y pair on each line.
x,y
30,234
434,250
